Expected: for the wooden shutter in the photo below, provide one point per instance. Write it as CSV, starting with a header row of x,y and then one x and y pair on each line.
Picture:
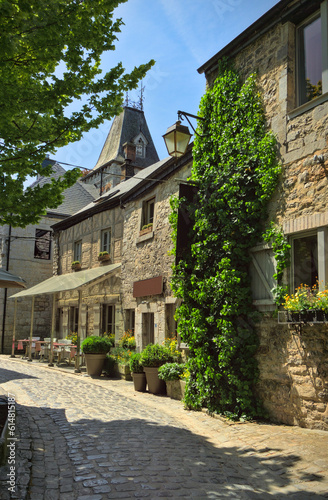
x,y
262,269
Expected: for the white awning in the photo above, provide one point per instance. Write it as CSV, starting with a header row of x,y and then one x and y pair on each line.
x,y
66,282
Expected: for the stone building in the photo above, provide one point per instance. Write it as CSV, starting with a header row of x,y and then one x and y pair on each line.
x,y
288,49
28,252
104,301
127,160
148,303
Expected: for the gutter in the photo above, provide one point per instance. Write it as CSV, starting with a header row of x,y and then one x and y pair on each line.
x,y
5,295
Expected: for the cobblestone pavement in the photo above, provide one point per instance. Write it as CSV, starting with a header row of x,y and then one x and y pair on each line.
x,y
95,439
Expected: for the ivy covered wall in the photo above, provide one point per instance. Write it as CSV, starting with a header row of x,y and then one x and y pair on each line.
x,y
236,171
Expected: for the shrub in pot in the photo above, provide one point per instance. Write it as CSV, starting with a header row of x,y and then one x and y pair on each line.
x,y
95,349
138,374
152,357
171,373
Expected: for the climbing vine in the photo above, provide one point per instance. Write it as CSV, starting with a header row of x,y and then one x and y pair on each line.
x,y
236,170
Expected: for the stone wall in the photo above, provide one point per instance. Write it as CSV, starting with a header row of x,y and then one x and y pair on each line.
x,y
105,291
148,256
293,366
89,232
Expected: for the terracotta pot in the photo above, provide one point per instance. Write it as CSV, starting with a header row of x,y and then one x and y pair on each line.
x,y
139,381
95,363
155,384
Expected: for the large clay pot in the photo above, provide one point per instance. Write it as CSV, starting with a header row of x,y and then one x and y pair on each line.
x,y
95,363
139,381
155,384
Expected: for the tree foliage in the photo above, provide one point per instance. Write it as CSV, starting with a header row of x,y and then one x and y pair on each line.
x,y
236,170
52,91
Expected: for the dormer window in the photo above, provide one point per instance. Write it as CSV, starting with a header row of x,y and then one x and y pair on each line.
x,y
140,149
140,143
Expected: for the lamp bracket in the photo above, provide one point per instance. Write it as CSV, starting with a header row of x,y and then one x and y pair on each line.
x,y
183,114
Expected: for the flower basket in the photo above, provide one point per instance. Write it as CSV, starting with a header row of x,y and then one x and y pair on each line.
x,y
103,257
146,229
76,266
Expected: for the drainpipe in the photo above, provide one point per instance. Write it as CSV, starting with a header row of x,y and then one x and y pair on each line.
x,y
5,295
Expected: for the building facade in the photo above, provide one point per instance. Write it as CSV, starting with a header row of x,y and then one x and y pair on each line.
x,y
288,50
28,252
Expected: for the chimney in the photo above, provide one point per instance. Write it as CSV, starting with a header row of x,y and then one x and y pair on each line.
x,y
129,151
127,170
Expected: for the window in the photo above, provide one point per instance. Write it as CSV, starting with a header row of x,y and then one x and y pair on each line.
x,y
130,319
148,329
42,244
73,319
78,250
148,212
108,319
305,261
140,148
312,56
105,240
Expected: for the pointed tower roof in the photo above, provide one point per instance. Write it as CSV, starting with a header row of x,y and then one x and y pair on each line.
x,y
129,127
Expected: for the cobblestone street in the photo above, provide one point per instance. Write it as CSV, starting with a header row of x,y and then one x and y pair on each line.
x,y
94,439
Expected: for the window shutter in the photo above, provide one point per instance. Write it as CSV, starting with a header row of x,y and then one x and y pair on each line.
x,y
262,269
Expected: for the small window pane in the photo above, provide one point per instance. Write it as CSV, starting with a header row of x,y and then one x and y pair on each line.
x,y
306,261
310,61
78,250
105,240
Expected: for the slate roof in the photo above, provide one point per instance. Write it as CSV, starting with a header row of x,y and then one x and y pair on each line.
x,y
75,197
129,189
125,128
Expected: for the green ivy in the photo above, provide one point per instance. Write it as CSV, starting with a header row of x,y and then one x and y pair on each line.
x,y
281,250
236,170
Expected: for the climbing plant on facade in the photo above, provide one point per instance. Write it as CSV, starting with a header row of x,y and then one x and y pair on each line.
x,y
236,170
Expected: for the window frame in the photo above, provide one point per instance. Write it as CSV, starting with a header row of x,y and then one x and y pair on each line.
x,y
104,318
78,250
322,249
322,13
73,319
145,216
107,232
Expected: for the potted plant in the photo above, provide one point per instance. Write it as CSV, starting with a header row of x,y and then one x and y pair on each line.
x,y
95,349
76,265
301,304
137,372
152,357
171,373
103,256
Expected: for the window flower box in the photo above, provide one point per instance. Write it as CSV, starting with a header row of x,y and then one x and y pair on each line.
x,y
76,265
146,229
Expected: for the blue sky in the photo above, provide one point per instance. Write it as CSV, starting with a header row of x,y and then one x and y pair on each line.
x,y
180,35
